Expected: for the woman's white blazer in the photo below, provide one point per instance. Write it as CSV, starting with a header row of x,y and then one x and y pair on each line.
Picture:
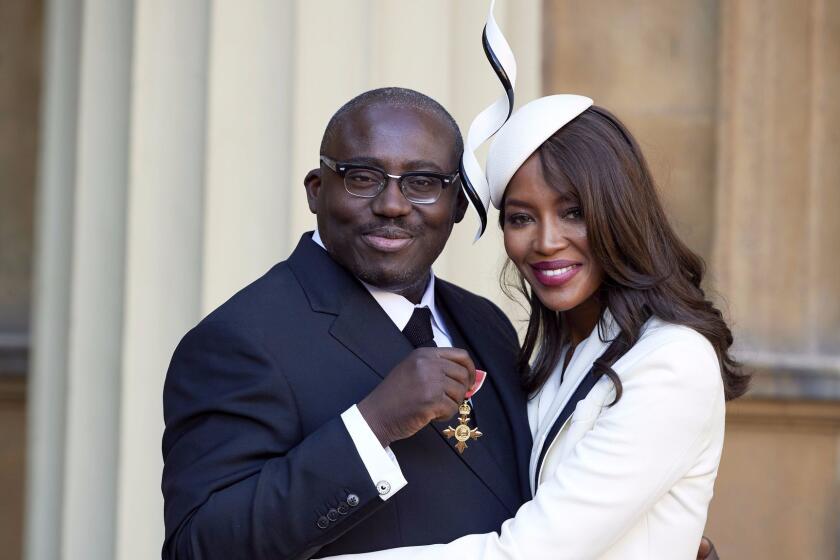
x,y
624,482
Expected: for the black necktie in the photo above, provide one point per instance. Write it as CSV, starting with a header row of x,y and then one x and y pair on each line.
x,y
418,331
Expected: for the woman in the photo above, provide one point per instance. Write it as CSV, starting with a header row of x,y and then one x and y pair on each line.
x,y
630,363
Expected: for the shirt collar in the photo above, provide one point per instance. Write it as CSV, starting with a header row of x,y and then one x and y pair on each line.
x,y
397,307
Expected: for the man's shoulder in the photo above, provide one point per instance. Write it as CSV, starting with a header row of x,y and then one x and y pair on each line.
x,y
264,298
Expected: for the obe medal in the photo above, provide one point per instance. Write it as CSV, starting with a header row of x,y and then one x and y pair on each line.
x,y
463,433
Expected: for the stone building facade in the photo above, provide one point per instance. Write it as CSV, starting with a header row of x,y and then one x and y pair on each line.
x,y
151,158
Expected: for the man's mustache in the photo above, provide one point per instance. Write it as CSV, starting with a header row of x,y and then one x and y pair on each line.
x,y
396,229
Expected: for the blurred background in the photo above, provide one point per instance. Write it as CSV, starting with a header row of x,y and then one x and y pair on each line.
x,y
151,163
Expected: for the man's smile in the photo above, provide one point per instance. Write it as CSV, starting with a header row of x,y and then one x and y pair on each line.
x,y
388,239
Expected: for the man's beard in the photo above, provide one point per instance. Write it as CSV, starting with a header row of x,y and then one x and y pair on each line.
x,y
392,280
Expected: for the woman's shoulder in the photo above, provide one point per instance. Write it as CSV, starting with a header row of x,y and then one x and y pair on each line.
x,y
666,349
658,333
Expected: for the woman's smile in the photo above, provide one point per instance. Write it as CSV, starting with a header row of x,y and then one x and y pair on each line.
x,y
555,273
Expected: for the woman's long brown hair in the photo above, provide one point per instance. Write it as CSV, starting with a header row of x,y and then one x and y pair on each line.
x,y
648,270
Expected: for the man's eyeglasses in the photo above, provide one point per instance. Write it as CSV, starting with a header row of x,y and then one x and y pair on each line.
x,y
419,187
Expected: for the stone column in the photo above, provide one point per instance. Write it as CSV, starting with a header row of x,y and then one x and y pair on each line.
x,y
163,251
97,279
249,141
47,381
119,272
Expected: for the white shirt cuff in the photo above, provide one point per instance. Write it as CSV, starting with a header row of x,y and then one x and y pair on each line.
x,y
381,463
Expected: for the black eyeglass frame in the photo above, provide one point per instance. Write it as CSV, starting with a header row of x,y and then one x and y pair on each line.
x,y
341,168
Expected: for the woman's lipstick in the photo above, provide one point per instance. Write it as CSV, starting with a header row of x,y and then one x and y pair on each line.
x,y
555,273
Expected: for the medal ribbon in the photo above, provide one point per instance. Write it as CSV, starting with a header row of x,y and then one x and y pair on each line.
x,y
480,376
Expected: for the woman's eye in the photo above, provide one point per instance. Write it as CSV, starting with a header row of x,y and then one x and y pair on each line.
x,y
573,213
518,219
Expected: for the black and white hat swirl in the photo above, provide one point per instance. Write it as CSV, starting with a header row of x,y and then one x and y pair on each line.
x,y
518,134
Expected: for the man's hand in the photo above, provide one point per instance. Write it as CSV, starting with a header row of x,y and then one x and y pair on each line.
x,y
707,550
427,385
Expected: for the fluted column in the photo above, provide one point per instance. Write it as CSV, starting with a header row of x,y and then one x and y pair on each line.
x,y
164,244
249,141
47,381
97,282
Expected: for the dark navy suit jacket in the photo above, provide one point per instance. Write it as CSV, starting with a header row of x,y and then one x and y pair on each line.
x,y
256,454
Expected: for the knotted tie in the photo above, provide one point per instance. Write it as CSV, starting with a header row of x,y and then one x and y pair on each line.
x,y
418,330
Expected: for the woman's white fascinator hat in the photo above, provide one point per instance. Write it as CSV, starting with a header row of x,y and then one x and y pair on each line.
x,y
517,134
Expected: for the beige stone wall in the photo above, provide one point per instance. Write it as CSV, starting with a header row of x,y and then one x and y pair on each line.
x,y
654,64
735,105
779,177
778,494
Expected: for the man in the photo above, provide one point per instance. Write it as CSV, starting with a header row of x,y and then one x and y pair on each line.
x,y
287,409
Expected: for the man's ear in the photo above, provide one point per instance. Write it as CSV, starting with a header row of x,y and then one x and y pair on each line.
x,y
462,205
312,184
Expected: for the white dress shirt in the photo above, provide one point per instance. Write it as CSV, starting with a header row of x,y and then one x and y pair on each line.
x,y
381,463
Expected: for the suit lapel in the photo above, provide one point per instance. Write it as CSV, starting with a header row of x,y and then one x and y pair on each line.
x,y
331,289
485,455
378,343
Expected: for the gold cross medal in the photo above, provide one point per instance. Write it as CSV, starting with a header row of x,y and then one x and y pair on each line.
x,y
463,433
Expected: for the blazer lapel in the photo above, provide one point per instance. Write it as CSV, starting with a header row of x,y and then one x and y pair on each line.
x,y
379,344
333,290
485,455
576,385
